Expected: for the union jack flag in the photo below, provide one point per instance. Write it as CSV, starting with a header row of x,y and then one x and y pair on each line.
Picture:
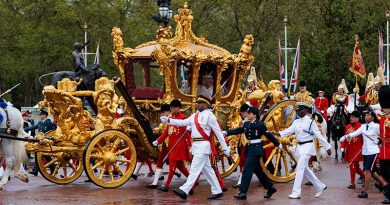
x,y
282,70
381,58
295,70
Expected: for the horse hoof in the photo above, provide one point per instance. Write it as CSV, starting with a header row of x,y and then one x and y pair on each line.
x,y
22,177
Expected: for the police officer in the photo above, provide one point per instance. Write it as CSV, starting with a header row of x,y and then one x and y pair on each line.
x,y
254,129
44,125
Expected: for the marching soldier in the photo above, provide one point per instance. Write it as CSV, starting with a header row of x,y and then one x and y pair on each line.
x,y
384,123
179,154
303,95
322,104
305,130
352,149
201,123
254,129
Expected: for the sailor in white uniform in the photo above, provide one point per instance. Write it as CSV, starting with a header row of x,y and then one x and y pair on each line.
x,y
305,130
202,124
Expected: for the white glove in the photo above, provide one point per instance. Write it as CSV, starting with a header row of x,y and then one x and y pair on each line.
x,y
227,151
189,129
280,146
342,149
343,138
164,119
224,133
155,143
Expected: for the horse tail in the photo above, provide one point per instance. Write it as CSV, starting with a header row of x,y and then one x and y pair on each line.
x,y
19,148
44,75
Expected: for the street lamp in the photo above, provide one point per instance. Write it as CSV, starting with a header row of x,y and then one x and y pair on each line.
x,y
164,12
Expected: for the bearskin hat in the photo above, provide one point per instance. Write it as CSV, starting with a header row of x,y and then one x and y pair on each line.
x,y
384,96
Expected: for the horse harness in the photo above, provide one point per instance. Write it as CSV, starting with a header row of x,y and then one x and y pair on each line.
x,y
7,132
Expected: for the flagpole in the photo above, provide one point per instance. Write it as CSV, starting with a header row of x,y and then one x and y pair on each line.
x,y
387,45
285,55
85,42
355,90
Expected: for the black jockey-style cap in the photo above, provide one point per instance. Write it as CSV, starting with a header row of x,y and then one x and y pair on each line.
x,y
253,110
165,107
302,106
43,112
203,99
384,96
244,107
175,103
356,114
302,83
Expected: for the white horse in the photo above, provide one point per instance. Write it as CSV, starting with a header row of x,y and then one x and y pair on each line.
x,y
13,150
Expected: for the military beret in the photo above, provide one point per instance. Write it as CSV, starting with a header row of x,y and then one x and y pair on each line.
x,y
244,107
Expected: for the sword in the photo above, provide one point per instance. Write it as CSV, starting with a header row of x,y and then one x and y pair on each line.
x,y
174,146
9,90
354,158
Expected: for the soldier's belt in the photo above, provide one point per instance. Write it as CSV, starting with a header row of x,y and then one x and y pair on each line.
x,y
198,139
305,142
254,141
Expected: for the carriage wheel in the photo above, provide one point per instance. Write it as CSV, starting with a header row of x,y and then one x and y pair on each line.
x,y
279,165
109,158
228,165
59,167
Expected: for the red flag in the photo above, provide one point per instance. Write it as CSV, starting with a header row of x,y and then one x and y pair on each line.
x,y
356,65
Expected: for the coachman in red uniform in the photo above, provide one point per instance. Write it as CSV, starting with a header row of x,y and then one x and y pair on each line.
x,y
384,153
322,104
180,153
353,149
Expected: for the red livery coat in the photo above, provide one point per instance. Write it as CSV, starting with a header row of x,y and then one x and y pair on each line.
x,y
322,105
353,145
384,124
181,151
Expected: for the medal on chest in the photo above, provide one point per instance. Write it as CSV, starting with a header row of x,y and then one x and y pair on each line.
x,y
171,130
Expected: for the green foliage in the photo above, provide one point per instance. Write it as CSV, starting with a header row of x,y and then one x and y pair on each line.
x,y
37,36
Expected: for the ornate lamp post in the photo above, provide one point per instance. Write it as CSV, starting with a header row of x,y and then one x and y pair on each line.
x,y
164,12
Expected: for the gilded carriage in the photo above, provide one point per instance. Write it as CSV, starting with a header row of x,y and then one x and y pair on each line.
x,y
183,65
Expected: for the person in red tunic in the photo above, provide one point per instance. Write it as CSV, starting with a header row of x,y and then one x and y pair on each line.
x,y
353,149
384,124
322,104
180,153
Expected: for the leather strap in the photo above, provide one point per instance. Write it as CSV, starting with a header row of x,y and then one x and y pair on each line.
x,y
305,142
204,135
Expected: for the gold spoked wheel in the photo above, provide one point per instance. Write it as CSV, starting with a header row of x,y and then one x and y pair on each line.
x,y
109,158
279,164
227,165
59,167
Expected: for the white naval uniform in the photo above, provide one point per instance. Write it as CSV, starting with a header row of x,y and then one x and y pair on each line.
x,y
202,150
370,134
300,127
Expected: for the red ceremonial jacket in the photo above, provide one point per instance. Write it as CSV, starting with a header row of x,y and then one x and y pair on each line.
x,y
181,151
322,105
384,152
353,145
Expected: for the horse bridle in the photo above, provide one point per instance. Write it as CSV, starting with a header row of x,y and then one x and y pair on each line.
x,y
7,131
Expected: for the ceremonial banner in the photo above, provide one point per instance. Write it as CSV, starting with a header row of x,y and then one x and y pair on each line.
x,y
381,57
282,70
356,65
295,70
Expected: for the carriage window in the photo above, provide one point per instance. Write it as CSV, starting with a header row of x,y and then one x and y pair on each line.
x,y
206,80
183,77
146,74
227,79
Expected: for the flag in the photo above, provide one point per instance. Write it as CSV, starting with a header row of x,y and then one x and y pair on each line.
x,y
97,55
356,65
295,70
282,70
381,57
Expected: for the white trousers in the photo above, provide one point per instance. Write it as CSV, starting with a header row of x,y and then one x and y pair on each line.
x,y
303,169
201,164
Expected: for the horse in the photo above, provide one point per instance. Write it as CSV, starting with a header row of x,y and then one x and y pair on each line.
x,y
338,122
13,150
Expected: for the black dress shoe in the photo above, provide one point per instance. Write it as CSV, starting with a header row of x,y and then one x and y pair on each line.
x,y
191,192
161,178
240,196
177,174
151,186
363,194
215,196
224,189
164,188
386,201
88,181
309,183
236,186
351,186
34,173
180,193
134,176
270,191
